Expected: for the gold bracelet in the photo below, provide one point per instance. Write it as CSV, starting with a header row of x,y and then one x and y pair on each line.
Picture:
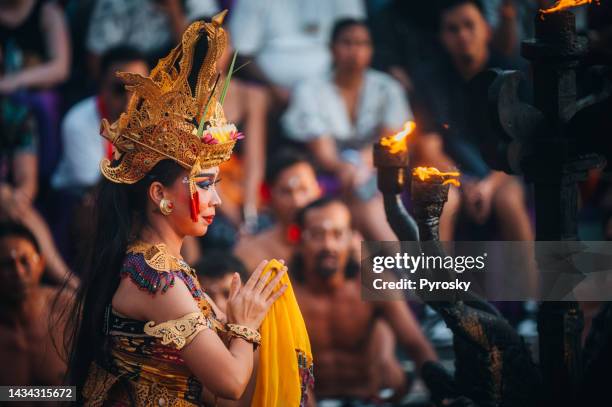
x,y
244,332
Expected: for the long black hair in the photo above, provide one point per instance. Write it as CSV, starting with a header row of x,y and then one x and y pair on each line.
x,y
118,217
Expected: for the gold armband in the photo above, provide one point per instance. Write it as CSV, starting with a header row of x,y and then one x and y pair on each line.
x,y
244,332
178,332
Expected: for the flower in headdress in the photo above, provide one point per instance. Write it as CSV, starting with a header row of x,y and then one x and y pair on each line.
x,y
209,139
236,135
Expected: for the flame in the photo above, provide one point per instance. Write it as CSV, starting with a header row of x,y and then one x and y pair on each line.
x,y
397,143
565,4
425,173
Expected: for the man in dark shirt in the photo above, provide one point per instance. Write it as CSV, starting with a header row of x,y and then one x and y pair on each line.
x,y
441,109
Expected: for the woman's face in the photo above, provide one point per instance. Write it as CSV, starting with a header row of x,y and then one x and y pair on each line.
x,y
178,193
352,50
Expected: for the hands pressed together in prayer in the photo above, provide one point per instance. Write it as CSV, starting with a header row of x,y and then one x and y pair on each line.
x,y
248,304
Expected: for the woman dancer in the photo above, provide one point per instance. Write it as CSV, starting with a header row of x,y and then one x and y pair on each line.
x,y
146,333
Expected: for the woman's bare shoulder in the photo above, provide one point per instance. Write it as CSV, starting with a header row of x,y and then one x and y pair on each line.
x,y
130,301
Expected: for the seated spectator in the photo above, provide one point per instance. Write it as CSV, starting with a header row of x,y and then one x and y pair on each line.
x,y
341,115
19,183
79,167
151,26
35,49
35,44
215,272
246,104
404,34
287,40
443,109
293,184
347,354
31,330
83,148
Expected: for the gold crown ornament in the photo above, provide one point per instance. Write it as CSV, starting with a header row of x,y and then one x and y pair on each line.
x,y
176,113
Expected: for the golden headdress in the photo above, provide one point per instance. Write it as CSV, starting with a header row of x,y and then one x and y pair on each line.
x,y
162,117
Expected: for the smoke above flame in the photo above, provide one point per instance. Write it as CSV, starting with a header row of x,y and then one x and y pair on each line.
x,y
397,143
565,4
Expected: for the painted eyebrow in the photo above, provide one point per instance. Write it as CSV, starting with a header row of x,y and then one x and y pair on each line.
x,y
206,175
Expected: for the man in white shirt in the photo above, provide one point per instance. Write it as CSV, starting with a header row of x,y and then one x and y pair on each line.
x,y
341,114
83,147
79,168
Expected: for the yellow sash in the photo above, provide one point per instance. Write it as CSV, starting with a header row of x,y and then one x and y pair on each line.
x,y
285,357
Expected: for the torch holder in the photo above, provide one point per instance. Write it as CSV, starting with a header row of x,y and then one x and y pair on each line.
x,y
393,175
428,198
555,37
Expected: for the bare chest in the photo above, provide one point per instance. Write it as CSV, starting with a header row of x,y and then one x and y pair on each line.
x,y
339,322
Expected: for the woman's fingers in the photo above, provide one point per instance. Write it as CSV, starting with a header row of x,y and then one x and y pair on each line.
x,y
234,286
261,283
276,296
255,276
272,284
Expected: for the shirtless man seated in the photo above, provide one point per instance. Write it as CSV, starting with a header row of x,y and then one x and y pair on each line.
x,y
30,329
341,326
293,184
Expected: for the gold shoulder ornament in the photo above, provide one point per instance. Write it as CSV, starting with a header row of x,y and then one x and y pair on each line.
x,y
178,333
157,257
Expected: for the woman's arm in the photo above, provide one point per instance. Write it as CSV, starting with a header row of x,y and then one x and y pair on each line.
x,y
325,153
55,70
254,147
16,200
25,169
247,396
225,372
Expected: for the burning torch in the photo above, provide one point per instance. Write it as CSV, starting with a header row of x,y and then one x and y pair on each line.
x,y
391,160
429,190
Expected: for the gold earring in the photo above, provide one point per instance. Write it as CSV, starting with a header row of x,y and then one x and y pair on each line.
x,y
166,207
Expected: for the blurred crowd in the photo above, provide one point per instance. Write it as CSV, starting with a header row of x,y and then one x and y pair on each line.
x,y
320,82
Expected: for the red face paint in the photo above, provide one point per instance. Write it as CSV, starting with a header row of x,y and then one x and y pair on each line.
x,y
195,206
